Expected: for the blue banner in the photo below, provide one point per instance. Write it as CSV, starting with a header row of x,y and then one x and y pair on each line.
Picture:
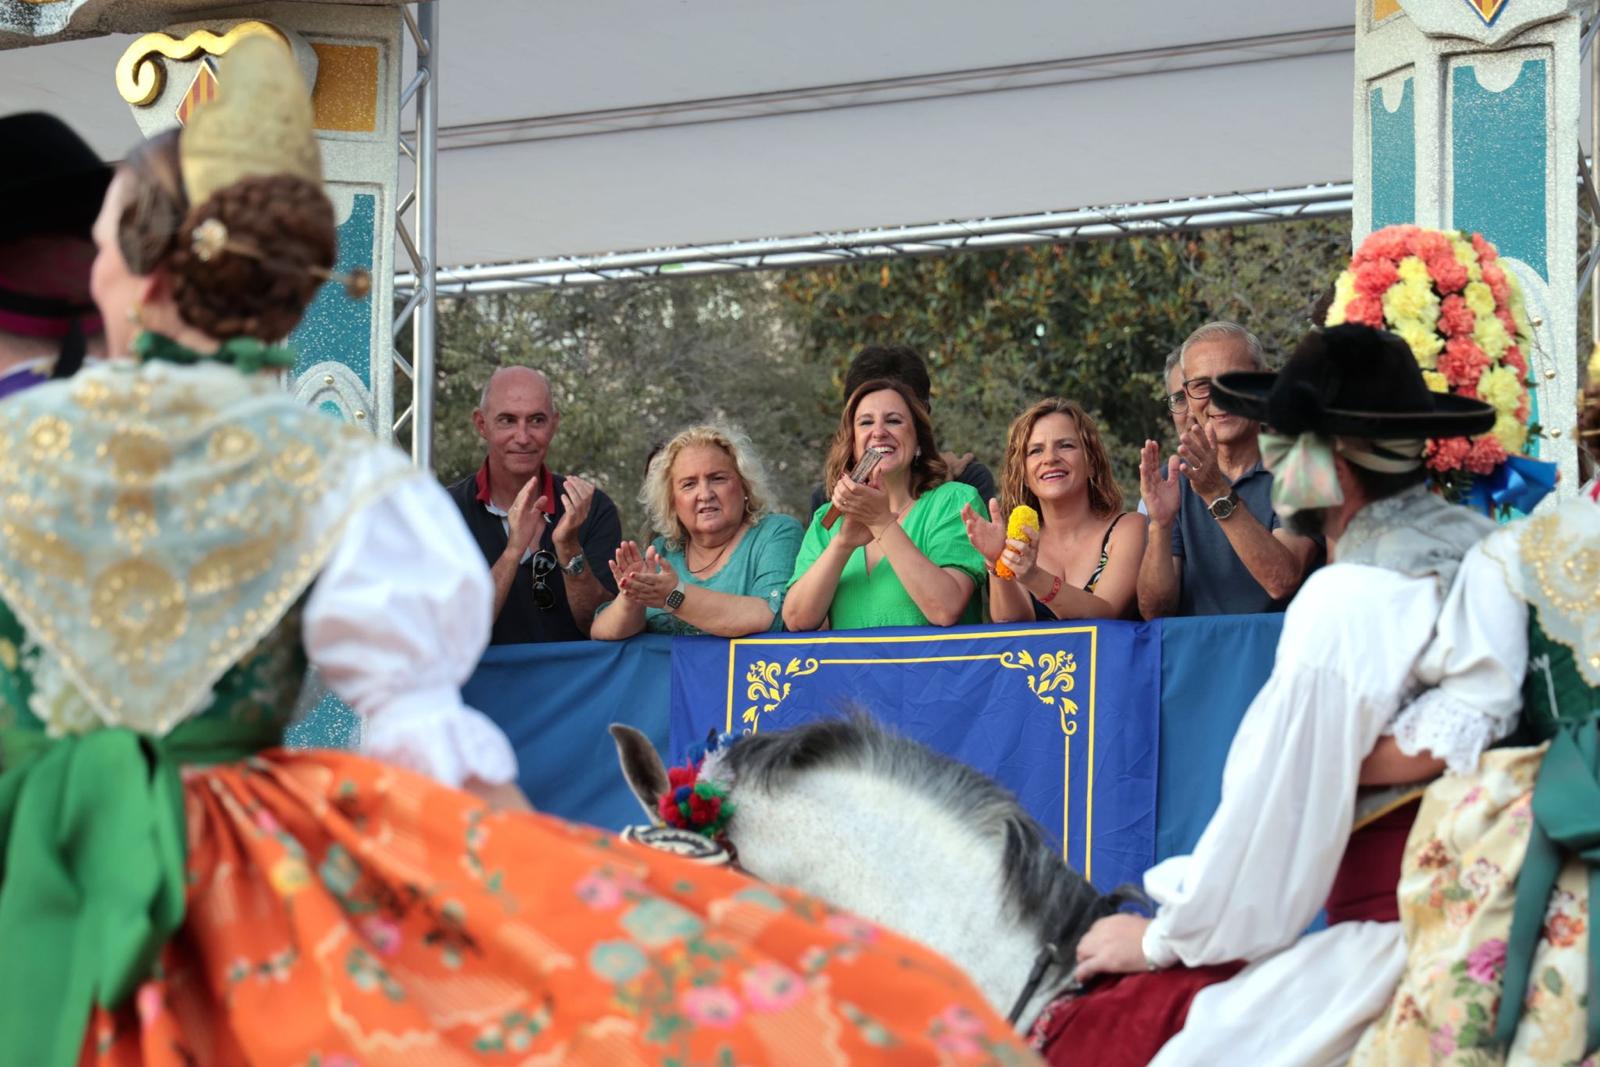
x,y
1065,715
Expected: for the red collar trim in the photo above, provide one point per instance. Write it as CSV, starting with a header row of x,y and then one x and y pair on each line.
x,y
547,488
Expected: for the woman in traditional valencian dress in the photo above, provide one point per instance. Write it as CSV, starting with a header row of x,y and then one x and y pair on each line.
x,y
177,537
1501,869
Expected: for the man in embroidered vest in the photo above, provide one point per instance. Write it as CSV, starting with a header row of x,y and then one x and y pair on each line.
x,y
547,537
1305,821
51,186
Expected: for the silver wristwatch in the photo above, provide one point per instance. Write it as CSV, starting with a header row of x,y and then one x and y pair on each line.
x,y
574,566
1224,506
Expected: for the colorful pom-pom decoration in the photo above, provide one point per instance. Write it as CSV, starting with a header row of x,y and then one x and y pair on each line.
x,y
1022,519
692,804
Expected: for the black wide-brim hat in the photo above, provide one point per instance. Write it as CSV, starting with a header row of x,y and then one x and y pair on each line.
x,y
52,181
1350,381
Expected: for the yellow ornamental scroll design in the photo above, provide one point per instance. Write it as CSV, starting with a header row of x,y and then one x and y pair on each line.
x,y
140,74
1051,677
768,684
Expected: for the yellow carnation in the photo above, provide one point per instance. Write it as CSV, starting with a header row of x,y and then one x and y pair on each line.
x,y
1409,301
1491,336
1412,269
1467,256
1425,343
1436,381
1511,434
1344,291
1499,386
1480,298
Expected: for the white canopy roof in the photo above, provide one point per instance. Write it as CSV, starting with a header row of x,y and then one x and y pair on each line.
x,y
629,124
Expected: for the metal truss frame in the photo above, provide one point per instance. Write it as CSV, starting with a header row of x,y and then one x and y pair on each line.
x,y
419,239
1313,201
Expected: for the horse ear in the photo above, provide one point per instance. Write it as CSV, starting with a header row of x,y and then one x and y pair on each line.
x,y
642,767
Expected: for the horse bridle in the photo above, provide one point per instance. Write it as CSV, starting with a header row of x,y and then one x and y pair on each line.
x,y
1071,931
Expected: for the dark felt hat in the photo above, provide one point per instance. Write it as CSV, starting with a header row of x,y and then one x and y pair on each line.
x,y
1351,381
52,181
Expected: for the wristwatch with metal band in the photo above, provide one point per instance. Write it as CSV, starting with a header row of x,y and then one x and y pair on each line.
x,y
575,566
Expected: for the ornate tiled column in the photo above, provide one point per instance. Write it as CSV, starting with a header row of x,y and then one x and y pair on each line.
x,y
1466,117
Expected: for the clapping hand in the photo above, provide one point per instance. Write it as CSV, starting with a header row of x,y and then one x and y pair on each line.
x,y
1162,495
649,580
864,502
628,561
576,496
526,520
1198,451
987,534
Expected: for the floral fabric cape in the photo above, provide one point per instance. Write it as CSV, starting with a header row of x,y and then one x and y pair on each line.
x,y
1457,889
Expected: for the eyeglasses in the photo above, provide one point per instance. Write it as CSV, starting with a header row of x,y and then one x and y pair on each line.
x,y
1193,389
544,564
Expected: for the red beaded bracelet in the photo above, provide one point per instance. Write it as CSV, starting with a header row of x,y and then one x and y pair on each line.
x,y
1055,587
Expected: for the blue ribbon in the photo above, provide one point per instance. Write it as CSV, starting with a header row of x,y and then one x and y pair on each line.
x,y
1517,484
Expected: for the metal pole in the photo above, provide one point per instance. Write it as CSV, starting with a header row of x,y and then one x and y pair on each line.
x,y
1594,155
424,323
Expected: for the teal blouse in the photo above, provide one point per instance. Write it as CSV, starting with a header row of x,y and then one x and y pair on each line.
x,y
759,566
864,601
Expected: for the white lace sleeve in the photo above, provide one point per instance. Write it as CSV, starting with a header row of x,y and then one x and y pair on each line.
x,y
396,623
1475,664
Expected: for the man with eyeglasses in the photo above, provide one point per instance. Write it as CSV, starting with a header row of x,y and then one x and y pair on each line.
x,y
545,536
1216,547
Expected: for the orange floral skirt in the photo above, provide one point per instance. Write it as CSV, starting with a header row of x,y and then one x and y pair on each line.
x,y
342,913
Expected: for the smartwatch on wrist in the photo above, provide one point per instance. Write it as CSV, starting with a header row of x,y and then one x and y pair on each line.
x,y
1224,506
675,598
574,566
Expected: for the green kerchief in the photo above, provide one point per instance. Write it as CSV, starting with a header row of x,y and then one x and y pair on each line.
x,y
92,834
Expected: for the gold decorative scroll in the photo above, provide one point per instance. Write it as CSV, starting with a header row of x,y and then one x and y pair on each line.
x,y
141,75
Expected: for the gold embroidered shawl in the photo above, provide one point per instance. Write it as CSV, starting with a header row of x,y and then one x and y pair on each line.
x,y
156,522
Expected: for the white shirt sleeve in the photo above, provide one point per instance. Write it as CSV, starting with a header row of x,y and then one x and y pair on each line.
x,y
1475,665
397,621
1266,860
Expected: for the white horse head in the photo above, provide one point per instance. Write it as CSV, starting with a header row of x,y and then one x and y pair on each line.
x,y
885,827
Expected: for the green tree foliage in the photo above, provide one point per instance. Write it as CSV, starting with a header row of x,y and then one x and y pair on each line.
x,y
634,362
1000,329
630,365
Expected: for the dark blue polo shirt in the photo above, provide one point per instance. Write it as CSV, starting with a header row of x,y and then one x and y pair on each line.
x,y
1214,581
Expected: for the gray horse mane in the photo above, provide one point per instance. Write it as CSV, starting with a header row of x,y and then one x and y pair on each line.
x,y
1040,888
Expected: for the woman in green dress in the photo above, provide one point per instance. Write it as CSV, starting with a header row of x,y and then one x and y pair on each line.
x,y
898,555
723,564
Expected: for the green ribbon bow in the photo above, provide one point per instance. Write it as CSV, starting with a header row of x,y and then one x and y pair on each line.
x,y
92,834
1304,477
245,354
1566,820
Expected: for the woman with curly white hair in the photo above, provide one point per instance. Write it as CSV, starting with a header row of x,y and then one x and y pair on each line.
x,y
722,564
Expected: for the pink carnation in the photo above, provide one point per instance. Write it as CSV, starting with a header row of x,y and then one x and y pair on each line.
x,y
1390,243
1431,244
1486,251
1524,407
1455,318
1462,362
1374,279
1493,274
1512,357
1486,454
1507,320
1448,453
1448,275
1366,311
